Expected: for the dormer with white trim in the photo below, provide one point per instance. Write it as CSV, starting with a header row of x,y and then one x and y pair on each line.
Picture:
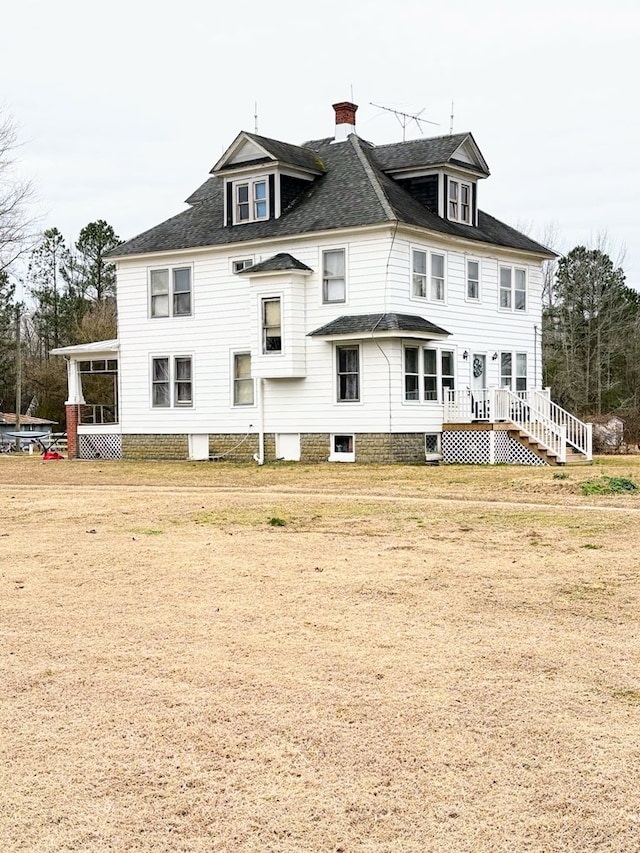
x,y
263,177
441,173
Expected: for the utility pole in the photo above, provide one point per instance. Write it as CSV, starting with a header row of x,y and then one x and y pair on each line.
x,y
18,374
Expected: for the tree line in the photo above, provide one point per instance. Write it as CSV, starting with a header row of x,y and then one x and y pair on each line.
x,y
69,298
591,336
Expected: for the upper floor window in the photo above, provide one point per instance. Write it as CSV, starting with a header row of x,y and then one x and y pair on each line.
x,y
170,292
242,379
333,276
513,289
348,373
251,200
171,382
241,264
427,275
429,377
272,324
459,201
473,280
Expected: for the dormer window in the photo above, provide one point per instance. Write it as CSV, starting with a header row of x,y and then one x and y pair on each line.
x,y
459,202
251,200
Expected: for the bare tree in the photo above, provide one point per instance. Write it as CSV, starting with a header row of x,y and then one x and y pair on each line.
x,y
15,196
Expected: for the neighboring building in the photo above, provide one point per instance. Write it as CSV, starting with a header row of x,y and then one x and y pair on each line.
x,y
27,424
334,300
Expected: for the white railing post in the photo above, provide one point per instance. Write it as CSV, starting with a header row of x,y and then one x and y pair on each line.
x,y
589,442
562,456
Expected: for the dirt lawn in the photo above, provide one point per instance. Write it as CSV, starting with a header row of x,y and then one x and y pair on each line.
x,y
214,658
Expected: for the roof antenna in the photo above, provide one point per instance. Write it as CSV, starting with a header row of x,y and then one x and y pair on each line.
x,y
255,117
406,118
451,122
351,86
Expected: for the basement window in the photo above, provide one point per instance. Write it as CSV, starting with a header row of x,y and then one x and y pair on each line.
x,y
342,448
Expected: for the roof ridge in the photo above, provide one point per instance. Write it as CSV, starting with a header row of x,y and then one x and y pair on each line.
x,y
424,139
373,178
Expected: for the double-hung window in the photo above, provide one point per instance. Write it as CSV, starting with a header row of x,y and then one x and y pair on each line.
x,y
348,373
333,276
459,201
171,381
170,292
508,379
251,200
428,373
427,275
473,280
272,325
242,379
513,288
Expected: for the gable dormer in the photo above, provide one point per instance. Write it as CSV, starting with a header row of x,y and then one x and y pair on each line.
x,y
262,177
441,173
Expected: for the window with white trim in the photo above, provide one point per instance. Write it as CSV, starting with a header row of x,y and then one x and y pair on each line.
x,y
170,292
348,373
428,373
251,200
473,280
427,275
513,289
243,385
271,324
171,381
342,448
508,379
241,264
333,276
459,208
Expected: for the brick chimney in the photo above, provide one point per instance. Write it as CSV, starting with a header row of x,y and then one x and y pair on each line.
x,y
345,120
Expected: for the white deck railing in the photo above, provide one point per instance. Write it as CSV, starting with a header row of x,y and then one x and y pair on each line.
x,y
533,412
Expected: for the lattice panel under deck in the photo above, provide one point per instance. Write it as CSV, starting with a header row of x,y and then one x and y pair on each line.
x,y
466,447
520,455
100,446
473,447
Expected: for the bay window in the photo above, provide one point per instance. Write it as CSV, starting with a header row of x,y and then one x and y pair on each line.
x,y
428,373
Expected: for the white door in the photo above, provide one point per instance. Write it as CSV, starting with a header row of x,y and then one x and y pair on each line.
x,y
479,386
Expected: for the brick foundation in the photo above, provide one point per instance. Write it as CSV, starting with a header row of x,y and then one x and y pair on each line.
x,y
406,448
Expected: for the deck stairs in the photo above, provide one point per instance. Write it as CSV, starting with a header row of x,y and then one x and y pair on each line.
x,y
530,417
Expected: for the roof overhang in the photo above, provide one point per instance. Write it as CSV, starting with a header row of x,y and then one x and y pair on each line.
x,y
91,350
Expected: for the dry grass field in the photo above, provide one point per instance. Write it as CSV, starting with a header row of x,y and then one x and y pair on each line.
x,y
213,658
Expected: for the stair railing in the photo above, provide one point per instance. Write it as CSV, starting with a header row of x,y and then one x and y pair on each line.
x,y
523,414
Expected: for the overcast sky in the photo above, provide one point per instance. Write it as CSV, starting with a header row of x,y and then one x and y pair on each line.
x,y
123,107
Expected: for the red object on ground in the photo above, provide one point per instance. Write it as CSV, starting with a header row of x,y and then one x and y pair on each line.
x,y
51,454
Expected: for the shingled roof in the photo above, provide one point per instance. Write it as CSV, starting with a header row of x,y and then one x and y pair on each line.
x,y
278,263
353,191
353,324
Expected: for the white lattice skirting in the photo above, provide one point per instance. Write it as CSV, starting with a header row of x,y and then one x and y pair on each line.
x,y
100,447
485,447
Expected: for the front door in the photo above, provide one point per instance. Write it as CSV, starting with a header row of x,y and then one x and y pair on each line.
x,y
479,394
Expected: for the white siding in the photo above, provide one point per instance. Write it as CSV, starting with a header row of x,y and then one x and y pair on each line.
x,y
225,320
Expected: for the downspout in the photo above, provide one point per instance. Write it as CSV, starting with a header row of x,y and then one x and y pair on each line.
x,y
259,456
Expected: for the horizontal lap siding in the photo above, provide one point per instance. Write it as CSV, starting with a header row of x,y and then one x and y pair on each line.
x,y
378,279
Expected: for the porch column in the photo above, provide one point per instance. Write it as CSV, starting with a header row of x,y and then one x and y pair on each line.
x,y
72,405
73,416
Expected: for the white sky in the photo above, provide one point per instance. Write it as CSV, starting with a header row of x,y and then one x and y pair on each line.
x,y
123,107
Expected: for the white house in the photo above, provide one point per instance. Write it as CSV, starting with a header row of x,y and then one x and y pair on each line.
x,y
333,300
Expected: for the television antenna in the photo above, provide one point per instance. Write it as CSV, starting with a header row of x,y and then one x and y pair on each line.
x,y
405,119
